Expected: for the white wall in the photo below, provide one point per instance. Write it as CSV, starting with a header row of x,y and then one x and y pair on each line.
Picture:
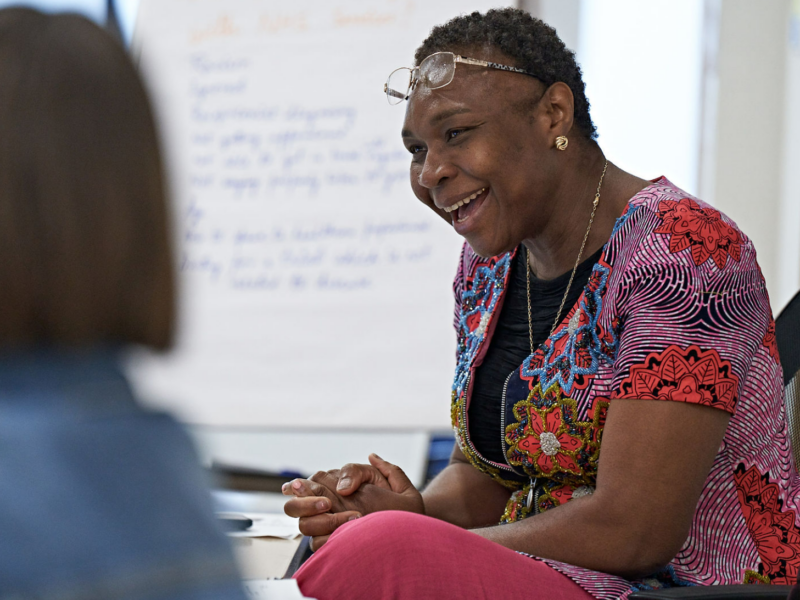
x,y
747,150
561,15
642,64
788,259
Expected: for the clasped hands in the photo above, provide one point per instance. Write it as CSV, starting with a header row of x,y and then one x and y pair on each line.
x,y
329,499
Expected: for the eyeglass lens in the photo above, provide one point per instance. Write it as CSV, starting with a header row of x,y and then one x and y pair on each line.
x,y
435,72
398,85
438,69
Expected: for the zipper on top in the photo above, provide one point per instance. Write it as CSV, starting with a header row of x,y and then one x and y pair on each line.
x,y
464,419
503,423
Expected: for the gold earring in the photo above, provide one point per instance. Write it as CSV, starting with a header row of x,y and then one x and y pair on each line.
x,y
562,142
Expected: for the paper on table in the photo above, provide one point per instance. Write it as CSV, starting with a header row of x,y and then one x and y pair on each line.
x,y
264,557
273,589
266,525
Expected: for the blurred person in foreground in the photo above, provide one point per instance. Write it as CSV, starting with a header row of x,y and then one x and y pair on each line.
x,y
618,394
98,497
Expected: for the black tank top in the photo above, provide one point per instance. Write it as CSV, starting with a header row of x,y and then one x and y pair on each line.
x,y
510,345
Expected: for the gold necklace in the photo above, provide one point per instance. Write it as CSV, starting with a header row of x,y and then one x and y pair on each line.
x,y
531,494
574,269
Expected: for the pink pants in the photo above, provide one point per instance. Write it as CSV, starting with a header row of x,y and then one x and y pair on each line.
x,y
407,556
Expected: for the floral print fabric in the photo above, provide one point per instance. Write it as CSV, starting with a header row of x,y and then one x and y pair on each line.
x,y
699,229
675,310
691,375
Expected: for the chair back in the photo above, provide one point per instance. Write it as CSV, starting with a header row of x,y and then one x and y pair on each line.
x,y
787,336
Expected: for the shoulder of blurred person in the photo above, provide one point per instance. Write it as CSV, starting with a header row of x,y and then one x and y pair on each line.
x,y
98,497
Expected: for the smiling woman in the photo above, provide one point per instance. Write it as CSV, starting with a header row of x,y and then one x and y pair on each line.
x,y
598,315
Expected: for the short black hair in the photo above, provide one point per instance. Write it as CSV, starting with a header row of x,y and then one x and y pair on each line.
x,y
530,42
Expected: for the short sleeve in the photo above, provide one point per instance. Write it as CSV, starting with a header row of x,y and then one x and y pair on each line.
x,y
689,334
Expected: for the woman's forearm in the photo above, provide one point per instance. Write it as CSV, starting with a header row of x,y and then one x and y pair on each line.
x,y
589,534
655,460
464,496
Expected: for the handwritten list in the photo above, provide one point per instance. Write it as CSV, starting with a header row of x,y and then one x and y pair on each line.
x,y
248,150
298,235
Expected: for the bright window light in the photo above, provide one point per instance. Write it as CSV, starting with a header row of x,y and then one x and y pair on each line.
x,y
93,9
126,13
642,63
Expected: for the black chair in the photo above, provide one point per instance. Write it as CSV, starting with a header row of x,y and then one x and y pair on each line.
x,y
721,592
787,335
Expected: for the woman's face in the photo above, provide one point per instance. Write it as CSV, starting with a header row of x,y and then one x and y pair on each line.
x,y
483,141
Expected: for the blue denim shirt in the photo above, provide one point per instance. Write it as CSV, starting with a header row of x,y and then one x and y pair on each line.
x,y
100,498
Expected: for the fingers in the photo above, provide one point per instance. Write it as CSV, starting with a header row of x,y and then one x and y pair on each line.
x,y
319,484
327,478
300,487
306,507
397,479
317,542
344,481
353,476
296,487
311,492
338,520
325,524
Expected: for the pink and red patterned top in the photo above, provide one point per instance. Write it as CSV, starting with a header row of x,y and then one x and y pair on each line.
x,y
676,309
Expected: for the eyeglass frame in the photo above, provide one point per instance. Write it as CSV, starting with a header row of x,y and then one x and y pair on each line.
x,y
457,58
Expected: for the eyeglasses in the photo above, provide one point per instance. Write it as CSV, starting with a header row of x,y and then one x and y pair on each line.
x,y
435,72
